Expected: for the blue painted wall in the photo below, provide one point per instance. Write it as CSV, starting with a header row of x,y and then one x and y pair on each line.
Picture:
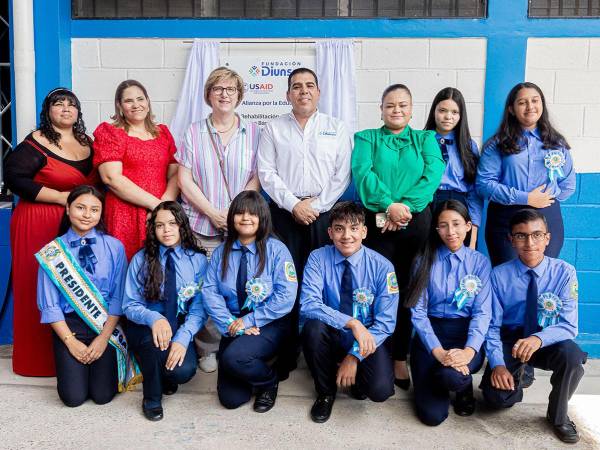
x,y
506,30
582,249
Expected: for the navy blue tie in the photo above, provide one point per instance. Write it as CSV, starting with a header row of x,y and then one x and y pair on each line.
x,y
346,290
242,278
531,322
170,293
444,147
87,259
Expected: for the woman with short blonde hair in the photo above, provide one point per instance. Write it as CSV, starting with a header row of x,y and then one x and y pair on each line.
x,y
217,162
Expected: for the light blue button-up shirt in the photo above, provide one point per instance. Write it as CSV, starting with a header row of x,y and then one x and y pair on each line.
x,y
447,271
453,178
508,179
509,298
320,297
108,277
278,278
190,270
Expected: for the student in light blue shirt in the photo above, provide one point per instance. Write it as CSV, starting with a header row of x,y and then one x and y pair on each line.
x,y
163,303
450,297
448,118
250,289
526,163
348,309
86,363
534,323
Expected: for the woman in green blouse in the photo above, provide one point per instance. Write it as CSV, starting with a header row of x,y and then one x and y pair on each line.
x,y
396,171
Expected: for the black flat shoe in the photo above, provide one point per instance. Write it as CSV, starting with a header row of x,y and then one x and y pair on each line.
x,y
526,376
153,414
321,409
169,388
265,400
567,432
356,393
402,383
464,404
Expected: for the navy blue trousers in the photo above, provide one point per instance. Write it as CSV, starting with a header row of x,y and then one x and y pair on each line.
x,y
497,230
324,348
243,363
152,362
76,382
565,359
433,382
400,247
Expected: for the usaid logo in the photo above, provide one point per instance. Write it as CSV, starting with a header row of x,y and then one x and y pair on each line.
x,y
259,88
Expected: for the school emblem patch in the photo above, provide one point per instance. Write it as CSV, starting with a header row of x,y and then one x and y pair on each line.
x,y
392,283
575,290
290,271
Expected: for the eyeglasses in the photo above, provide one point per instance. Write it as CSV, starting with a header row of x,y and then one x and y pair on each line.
x,y
219,90
536,236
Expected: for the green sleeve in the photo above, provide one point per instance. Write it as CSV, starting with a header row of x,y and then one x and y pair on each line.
x,y
375,195
421,194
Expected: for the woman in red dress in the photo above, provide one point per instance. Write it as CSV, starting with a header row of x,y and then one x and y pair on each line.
x,y
135,158
42,170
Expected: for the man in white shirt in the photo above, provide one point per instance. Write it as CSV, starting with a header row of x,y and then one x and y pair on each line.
x,y
304,166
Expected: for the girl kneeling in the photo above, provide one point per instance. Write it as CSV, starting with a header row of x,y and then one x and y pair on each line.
x,y
450,299
250,288
80,284
163,304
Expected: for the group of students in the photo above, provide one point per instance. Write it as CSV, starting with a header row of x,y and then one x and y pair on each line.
x,y
350,306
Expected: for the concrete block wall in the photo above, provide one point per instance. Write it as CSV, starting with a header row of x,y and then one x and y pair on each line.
x,y
568,71
425,65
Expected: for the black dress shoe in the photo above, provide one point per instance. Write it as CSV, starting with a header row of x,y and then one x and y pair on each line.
x,y
567,432
357,393
265,400
169,388
402,383
321,409
526,376
464,404
153,414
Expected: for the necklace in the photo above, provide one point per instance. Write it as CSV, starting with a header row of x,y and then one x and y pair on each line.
x,y
227,130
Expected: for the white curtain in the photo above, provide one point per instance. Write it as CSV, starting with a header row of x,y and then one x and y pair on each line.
x,y
203,59
335,69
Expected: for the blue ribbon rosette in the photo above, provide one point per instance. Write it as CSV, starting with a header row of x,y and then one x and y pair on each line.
x,y
469,287
184,295
549,306
554,162
362,299
257,292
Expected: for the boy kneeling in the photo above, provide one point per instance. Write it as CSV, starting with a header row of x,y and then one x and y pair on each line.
x,y
534,322
348,309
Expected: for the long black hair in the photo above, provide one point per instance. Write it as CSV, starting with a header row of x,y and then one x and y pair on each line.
x,y
250,202
65,222
510,131
424,259
462,135
46,128
151,273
